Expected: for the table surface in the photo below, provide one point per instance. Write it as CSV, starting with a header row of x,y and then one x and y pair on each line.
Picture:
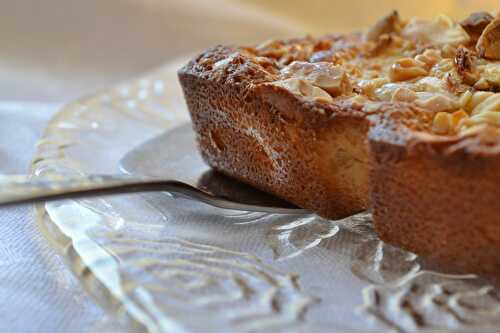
x,y
57,50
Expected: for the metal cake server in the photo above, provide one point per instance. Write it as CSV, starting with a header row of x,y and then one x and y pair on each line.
x,y
169,163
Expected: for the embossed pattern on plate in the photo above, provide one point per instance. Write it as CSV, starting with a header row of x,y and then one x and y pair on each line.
x,y
164,264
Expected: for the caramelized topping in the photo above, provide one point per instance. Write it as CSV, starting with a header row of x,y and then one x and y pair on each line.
x,y
491,73
431,64
475,24
406,69
440,31
386,25
403,94
439,103
324,75
488,45
479,110
465,66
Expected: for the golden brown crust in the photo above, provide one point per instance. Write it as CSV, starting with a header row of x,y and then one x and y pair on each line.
x,y
271,139
436,195
439,197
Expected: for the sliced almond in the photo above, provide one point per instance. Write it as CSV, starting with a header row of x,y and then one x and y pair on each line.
x,y
489,104
386,25
440,31
475,23
465,98
429,57
406,69
324,75
403,94
491,73
488,117
439,103
457,117
477,98
304,88
488,45
441,123
482,84
368,86
335,85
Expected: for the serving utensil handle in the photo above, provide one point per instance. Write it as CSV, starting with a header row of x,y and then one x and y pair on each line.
x,y
16,190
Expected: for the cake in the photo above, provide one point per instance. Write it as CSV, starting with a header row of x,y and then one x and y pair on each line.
x,y
402,119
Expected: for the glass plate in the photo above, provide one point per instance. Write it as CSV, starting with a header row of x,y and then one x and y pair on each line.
x,y
166,264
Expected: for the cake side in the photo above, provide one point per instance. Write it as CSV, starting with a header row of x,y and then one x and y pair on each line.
x,y
305,151
438,198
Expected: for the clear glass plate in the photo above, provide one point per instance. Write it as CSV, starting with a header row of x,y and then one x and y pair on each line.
x,y
166,264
